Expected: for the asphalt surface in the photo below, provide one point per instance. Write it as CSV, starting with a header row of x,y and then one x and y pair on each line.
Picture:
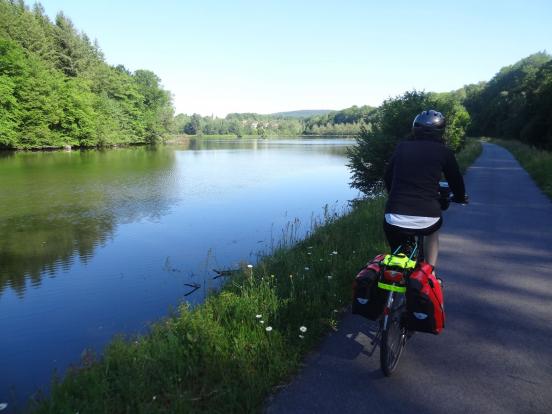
x,y
495,354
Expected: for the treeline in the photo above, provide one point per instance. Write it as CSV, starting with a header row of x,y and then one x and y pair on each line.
x,y
515,103
345,122
238,124
56,88
348,121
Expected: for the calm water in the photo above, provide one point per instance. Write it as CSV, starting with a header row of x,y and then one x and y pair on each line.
x,y
96,243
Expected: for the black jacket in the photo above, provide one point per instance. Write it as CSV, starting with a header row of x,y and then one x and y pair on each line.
x,y
413,174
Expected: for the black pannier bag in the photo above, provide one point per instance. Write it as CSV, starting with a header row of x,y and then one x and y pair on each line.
x,y
368,300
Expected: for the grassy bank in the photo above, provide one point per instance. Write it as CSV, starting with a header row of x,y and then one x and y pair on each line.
x,y
537,162
228,354
472,149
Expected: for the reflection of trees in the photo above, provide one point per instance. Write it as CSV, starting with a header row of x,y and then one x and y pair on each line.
x,y
39,245
55,207
318,145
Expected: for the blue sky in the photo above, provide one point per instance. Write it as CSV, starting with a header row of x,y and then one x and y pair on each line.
x,y
260,56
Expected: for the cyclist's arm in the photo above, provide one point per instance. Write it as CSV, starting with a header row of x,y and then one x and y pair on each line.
x,y
454,178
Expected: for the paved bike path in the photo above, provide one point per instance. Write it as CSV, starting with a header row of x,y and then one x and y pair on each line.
x,y
495,354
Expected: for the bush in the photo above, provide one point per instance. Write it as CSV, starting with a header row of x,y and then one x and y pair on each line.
x,y
391,124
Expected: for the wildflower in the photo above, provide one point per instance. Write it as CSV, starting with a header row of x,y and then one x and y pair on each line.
x,y
310,247
259,316
268,328
302,336
154,397
291,276
261,321
250,266
306,268
309,253
321,260
271,275
354,252
329,277
334,252
303,329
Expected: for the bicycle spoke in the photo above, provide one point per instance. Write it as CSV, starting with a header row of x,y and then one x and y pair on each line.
x,y
393,338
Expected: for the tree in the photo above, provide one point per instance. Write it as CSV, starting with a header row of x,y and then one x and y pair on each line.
x,y
12,69
508,104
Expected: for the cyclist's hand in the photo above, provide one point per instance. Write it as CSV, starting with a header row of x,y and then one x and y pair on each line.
x,y
461,200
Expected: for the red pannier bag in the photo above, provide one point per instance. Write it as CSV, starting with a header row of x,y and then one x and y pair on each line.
x,y
425,310
368,300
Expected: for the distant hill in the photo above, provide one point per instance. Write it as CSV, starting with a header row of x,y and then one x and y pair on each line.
x,y
305,113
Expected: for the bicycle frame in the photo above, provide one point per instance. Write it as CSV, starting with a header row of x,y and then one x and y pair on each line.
x,y
391,352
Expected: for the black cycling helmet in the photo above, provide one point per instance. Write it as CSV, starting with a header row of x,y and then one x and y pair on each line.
x,y
429,124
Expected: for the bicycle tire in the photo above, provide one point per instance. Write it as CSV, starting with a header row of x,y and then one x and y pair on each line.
x,y
393,340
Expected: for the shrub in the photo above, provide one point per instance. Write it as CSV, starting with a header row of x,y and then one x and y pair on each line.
x,y
391,124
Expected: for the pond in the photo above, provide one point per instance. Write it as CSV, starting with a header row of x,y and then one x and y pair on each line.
x,y
96,243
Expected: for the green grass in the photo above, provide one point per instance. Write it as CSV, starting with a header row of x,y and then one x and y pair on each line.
x,y
219,356
537,162
472,149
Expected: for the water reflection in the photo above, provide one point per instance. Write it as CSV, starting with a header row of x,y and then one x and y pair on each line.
x,y
331,145
33,245
55,207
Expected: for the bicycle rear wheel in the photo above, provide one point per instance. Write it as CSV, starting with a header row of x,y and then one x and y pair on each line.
x,y
393,339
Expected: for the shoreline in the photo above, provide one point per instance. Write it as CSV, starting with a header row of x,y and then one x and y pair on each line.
x,y
172,140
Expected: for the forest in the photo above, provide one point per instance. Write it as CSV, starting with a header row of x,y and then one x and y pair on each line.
x,y
516,103
56,90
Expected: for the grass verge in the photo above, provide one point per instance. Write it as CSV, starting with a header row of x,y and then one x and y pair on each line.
x,y
537,162
227,354
471,151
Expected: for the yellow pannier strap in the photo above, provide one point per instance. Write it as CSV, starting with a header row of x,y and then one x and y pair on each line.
x,y
399,260
394,288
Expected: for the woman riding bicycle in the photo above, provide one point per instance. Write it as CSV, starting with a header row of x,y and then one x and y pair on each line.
x,y
412,181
